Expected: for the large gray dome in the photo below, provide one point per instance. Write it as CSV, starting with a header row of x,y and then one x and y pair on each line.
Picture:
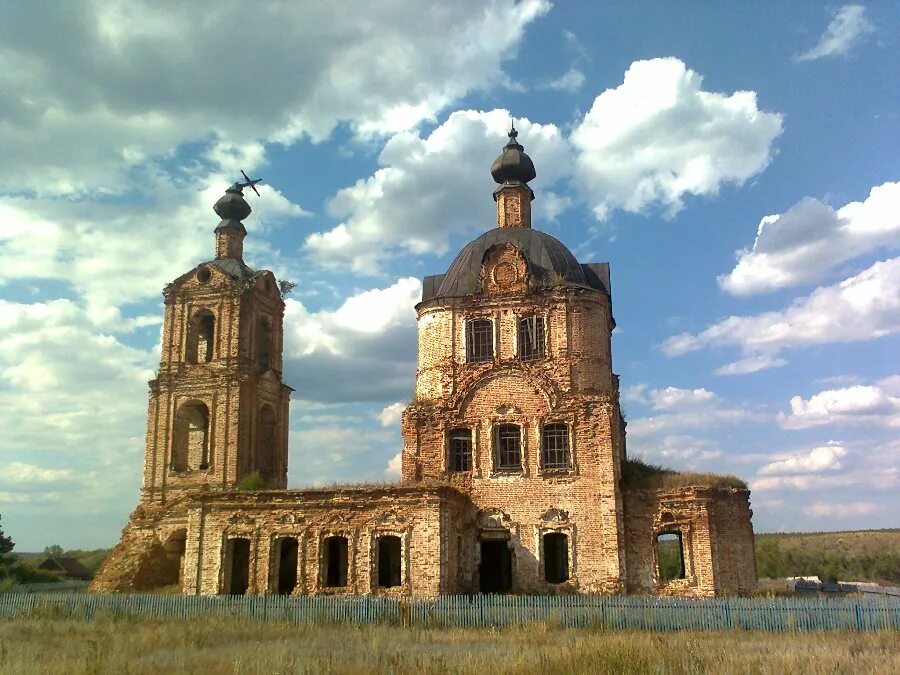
x,y
550,263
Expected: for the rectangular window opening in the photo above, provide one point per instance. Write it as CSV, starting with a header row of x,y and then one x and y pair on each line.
x,y
389,561
670,556
287,565
531,338
239,566
460,450
479,340
556,557
555,446
509,447
335,562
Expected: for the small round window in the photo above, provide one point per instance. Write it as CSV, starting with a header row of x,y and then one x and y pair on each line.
x,y
204,275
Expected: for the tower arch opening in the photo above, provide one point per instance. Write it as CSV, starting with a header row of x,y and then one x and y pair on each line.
x,y
190,447
266,440
201,337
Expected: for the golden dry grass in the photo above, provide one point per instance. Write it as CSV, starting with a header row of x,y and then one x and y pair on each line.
x,y
43,644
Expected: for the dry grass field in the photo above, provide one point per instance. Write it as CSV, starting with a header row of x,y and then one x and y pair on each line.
x,y
43,644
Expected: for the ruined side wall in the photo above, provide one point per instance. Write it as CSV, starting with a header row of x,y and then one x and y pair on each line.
x,y
140,561
734,552
415,516
717,540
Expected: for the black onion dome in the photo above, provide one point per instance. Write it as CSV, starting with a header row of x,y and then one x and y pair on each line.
x,y
513,164
232,205
550,263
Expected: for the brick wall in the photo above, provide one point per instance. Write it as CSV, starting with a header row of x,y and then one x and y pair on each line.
x,y
717,540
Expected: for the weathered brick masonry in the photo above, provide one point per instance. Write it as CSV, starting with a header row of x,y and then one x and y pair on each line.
x,y
513,446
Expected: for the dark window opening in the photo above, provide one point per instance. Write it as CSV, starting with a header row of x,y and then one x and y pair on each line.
x,y
509,447
461,450
531,338
670,556
266,437
287,565
239,566
555,446
172,572
479,341
556,557
335,562
190,445
495,569
389,561
201,337
263,345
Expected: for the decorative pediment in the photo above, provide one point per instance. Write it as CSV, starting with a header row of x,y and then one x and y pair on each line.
x,y
336,518
555,516
493,519
504,270
240,519
390,518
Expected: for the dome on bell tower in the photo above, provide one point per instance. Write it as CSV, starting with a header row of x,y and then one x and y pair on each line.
x,y
513,165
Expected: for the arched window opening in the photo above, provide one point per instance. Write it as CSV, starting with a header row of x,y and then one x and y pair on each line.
x,y
191,439
460,450
264,344
555,446
670,556
286,556
201,337
175,546
479,340
556,557
266,435
335,563
531,338
237,566
508,441
389,561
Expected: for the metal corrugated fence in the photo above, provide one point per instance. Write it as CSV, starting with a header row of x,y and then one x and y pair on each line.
x,y
645,613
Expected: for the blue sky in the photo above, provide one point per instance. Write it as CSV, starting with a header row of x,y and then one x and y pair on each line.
x,y
735,164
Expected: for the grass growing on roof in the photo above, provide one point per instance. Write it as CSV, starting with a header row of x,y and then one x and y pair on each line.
x,y
636,473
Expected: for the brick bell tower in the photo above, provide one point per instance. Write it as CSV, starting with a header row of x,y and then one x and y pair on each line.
x,y
218,408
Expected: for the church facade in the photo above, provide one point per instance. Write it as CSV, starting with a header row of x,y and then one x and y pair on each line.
x,y
515,477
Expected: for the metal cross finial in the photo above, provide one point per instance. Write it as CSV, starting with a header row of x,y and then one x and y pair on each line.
x,y
250,183
512,128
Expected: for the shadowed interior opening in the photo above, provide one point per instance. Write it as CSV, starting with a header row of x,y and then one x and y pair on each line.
x,y
495,570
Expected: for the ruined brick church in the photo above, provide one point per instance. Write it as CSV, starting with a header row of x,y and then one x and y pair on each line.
x,y
514,468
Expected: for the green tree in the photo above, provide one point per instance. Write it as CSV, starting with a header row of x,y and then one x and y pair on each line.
x,y
6,545
54,551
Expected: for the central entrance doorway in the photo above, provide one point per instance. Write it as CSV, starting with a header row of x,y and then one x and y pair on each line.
x,y
495,570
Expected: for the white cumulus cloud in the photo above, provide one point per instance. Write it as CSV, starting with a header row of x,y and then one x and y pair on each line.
x,y
390,415
862,307
395,465
90,89
362,351
431,187
847,29
874,404
659,137
822,458
810,239
840,510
